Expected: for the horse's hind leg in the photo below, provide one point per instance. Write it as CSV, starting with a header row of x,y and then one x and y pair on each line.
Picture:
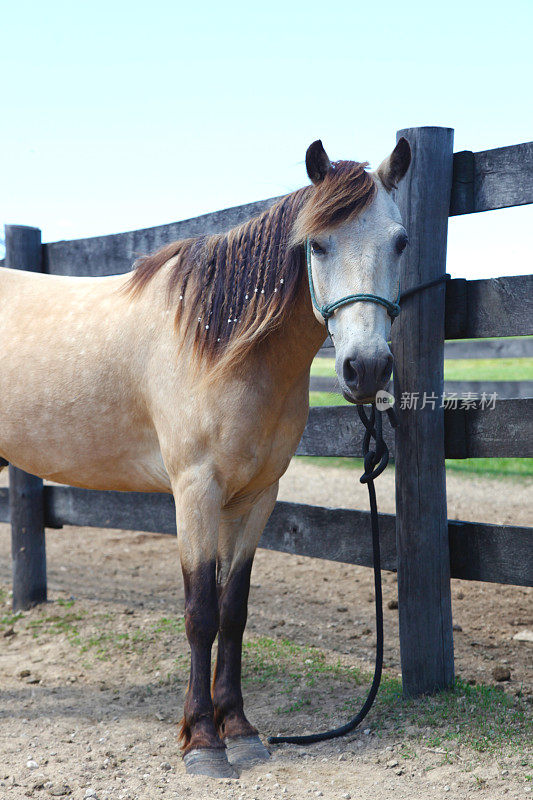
x,y
198,515
237,545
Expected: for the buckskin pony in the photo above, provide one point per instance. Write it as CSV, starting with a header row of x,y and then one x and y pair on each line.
x,y
190,375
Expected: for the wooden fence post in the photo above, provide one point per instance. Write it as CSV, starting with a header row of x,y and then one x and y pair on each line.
x,y
426,638
23,251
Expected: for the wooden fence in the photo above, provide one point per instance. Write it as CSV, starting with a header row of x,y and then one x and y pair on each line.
x,y
420,542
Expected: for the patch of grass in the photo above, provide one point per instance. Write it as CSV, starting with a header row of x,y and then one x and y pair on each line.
x,y
170,625
298,705
61,601
323,367
513,467
488,369
265,658
56,624
479,717
107,642
459,369
497,467
334,461
9,620
327,399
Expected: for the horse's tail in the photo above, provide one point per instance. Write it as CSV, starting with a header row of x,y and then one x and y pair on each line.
x,y
3,463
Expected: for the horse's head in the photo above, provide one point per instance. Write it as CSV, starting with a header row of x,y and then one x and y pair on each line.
x,y
359,256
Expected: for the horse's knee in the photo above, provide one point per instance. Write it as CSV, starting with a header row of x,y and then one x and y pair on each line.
x,y
201,604
233,600
201,625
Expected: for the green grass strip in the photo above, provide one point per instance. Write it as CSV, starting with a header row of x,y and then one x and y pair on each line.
x,y
459,369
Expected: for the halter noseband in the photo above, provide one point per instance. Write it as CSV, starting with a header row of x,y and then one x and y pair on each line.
x,y
327,310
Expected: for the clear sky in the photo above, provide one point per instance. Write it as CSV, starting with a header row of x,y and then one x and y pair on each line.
x,y
119,115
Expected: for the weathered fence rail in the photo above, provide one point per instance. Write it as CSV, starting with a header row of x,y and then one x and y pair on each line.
x,y
521,347
420,543
503,389
492,179
478,551
505,431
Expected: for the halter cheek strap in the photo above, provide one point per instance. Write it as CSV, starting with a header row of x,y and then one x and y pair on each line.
x,y
327,310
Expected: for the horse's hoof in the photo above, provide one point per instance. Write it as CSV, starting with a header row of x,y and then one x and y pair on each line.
x,y
245,751
213,763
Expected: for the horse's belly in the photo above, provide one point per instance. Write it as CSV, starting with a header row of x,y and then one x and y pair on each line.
x,y
139,475
92,462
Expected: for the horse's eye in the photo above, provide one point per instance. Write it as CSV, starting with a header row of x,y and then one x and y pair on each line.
x,y
316,249
401,243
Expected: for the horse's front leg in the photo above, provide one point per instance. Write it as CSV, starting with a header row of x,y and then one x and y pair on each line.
x,y
237,544
198,505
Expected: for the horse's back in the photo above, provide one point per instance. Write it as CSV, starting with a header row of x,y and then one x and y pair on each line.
x,y
69,405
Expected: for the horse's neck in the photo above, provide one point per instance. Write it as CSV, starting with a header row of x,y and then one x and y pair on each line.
x,y
292,348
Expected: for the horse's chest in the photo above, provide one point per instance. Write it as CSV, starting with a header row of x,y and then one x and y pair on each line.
x,y
263,450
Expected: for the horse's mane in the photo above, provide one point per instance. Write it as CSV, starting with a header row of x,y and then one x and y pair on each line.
x,y
233,289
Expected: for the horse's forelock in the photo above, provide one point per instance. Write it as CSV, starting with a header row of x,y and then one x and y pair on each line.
x,y
342,195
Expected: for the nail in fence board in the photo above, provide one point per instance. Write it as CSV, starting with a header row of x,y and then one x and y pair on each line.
x,y
425,614
23,251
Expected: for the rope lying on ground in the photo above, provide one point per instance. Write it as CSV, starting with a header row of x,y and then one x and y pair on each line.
x,y
375,462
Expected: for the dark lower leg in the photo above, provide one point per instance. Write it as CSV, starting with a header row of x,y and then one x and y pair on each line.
x,y
227,696
201,624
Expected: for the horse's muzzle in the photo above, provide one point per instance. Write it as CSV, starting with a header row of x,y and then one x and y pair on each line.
x,y
364,375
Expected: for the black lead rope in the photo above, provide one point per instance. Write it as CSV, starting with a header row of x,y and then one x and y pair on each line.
x,y
375,462
426,285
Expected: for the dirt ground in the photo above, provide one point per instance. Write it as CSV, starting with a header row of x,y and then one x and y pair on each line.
x,y
93,682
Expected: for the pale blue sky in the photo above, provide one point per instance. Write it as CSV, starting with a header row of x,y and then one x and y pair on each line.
x,y
120,115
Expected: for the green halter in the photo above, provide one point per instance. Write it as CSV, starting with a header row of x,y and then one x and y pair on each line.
x,y
329,309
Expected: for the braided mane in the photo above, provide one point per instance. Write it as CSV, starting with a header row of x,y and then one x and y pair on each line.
x,y
233,289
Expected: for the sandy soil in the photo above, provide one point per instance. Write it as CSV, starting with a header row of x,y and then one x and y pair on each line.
x,y
92,687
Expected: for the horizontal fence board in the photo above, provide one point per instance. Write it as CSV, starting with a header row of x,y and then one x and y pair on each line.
x,y
336,431
503,389
489,348
476,348
492,179
338,534
109,255
493,553
146,511
478,551
486,180
503,431
489,307
323,383
506,431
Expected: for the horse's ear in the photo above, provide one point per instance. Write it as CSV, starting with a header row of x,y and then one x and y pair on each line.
x,y
393,169
317,162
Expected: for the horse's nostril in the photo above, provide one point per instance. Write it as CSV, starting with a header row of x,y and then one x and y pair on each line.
x,y
366,375
353,371
387,369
